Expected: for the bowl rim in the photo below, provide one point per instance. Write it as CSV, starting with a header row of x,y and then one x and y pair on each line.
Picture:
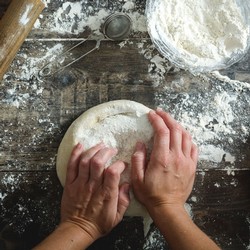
x,y
177,58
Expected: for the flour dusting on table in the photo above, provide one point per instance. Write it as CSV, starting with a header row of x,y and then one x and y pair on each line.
x,y
211,116
24,17
78,17
212,107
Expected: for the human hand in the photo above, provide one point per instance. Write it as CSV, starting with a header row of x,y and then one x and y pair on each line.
x,y
92,199
167,179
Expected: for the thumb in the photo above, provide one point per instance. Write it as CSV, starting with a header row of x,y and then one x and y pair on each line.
x,y
123,200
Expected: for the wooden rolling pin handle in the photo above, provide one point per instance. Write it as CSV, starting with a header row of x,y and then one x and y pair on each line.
x,y
15,26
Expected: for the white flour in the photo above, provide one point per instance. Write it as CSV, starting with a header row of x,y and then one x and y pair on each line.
x,y
24,17
196,112
121,132
77,17
206,31
210,117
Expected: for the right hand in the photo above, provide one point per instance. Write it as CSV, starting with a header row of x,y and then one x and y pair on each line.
x,y
167,179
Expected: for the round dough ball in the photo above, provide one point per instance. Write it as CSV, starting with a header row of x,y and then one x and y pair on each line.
x,y
119,124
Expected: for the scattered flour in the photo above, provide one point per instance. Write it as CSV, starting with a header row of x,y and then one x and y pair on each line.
x,y
208,125
214,154
10,181
238,85
77,17
216,184
24,17
158,66
193,199
210,117
27,69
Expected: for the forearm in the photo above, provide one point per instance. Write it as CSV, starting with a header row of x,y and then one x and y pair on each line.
x,y
67,236
179,230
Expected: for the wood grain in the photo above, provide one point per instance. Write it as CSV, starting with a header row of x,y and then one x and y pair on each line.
x,y
15,25
36,112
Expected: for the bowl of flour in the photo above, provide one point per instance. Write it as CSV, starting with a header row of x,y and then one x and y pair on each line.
x,y
200,36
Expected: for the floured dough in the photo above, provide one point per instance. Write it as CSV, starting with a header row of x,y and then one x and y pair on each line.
x,y
119,124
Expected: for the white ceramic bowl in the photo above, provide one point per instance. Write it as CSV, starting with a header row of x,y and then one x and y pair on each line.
x,y
182,58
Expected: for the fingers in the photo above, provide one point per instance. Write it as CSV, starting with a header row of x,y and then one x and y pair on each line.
x,y
84,165
110,190
186,143
98,163
162,135
72,169
112,175
138,161
176,138
194,153
123,200
175,128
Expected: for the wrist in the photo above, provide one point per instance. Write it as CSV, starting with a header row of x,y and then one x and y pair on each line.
x,y
66,236
167,211
84,226
78,235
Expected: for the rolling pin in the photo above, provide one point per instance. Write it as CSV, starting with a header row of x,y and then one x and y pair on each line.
x,y
15,26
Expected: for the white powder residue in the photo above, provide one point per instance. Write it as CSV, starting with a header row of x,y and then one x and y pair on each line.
x,y
129,5
239,85
114,131
210,117
193,199
138,22
27,69
65,18
216,184
37,24
234,182
24,17
46,2
218,120
2,196
158,66
205,32
230,171
32,65
158,61
78,17
11,181
214,154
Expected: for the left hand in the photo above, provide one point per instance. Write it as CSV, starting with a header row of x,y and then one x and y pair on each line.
x,y
92,198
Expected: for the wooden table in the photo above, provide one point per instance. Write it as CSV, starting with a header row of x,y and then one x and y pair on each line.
x,y
36,112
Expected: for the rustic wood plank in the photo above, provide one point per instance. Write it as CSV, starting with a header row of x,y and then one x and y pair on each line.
x,y
219,205
37,112
61,19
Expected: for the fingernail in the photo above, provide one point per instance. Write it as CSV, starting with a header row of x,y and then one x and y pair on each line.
x,y
159,109
79,145
152,112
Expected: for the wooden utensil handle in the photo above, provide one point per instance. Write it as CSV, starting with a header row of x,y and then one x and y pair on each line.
x,y
15,26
